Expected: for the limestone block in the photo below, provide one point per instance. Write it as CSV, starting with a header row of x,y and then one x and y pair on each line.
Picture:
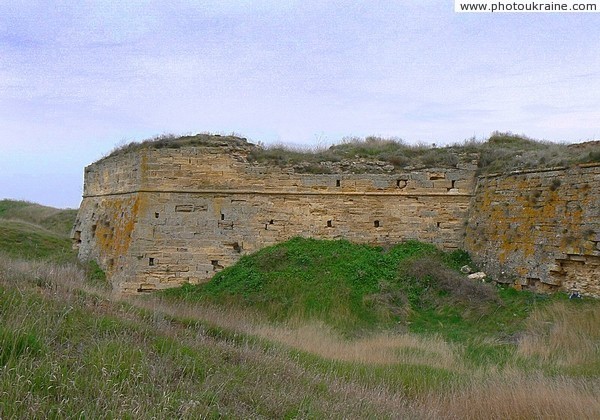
x,y
478,276
442,184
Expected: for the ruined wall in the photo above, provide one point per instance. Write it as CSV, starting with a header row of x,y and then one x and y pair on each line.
x,y
540,229
156,218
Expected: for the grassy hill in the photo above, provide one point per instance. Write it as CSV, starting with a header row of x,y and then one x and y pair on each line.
x,y
31,231
303,329
357,289
59,221
348,286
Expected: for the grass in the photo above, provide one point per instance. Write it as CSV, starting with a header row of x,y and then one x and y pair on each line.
x,y
70,350
349,287
32,231
59,221
424,343
355,288
22,239
74,353
171,141
501,152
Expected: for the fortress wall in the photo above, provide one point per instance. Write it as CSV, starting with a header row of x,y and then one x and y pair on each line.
x,y
226,168
185,214
539,228
187,237
115,175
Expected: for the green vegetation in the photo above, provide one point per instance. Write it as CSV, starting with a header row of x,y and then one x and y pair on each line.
x,y
359,288
22,239
500,153
32,231
171,141
59,221
261,340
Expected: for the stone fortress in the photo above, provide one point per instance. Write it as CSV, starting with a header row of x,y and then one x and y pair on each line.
x,y
155,218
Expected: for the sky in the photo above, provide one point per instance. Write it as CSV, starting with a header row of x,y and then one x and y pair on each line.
x,y
78,78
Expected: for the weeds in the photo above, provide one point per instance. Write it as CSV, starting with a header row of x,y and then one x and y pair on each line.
x,y
69,349
422,341
501,152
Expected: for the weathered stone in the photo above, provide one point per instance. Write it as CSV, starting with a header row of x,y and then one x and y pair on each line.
x,y
480,276
176,214
155,218
529,225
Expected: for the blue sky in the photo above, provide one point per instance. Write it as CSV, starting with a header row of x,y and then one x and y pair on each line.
x,y
79,78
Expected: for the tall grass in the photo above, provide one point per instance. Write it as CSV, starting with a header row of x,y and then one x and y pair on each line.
x,y
565,335
73,353
515,395
70,349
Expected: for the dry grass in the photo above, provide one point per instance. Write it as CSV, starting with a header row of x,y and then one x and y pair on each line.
x,y
99,356
318,338
378,349
563,334
515,395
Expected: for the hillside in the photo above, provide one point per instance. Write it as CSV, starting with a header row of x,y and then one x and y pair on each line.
x,y
357,289
262,340
59,221
31,230
348,286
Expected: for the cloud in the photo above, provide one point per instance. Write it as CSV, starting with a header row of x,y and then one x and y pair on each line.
x,y
78,77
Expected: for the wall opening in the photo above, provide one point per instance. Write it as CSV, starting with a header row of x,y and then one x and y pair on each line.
x,y
338,182
376,223
77,236
400,183
237,247
151,261
329,223
222,216
156,215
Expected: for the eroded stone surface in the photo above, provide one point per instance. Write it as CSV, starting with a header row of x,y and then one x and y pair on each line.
x,y
156,218
539,229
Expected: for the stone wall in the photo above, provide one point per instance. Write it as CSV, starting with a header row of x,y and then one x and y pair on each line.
x,y
157,218
539,229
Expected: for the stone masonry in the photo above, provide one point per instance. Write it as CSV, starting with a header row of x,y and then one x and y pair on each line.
x,y
539,229
155,218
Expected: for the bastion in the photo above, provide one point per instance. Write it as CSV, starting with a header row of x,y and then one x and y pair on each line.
x,y
158,217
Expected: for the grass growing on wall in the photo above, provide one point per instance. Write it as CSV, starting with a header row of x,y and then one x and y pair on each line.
x,y
501,152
